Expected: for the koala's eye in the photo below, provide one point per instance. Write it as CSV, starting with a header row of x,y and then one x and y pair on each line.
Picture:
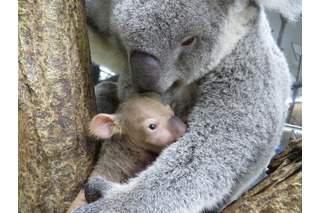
x,y
152,126
188,41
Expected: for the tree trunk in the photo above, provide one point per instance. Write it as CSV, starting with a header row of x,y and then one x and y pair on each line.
x,y
281,191
56,102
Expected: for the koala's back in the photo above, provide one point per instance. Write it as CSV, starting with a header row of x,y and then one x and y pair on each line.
x,y
118,161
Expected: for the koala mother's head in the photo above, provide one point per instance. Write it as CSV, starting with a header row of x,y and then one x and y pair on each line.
x,y
169,42
173,42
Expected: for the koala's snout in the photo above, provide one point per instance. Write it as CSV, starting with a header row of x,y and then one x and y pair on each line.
x,y
145,73
177,127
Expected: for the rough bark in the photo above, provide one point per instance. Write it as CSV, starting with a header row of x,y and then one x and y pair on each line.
x,y
56,102
281,191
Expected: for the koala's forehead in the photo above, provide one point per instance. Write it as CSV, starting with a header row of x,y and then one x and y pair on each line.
x,y
147,106
140,21
139,109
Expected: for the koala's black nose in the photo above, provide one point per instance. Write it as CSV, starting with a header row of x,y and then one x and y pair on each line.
x,y
145,73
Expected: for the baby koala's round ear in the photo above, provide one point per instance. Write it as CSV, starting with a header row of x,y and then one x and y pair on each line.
x,y
170,109
104,125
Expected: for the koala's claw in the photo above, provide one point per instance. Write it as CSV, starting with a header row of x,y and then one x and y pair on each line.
x,y
96,189
91,194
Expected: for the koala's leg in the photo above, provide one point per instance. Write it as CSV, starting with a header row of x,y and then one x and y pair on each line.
x,y
96,189
107,97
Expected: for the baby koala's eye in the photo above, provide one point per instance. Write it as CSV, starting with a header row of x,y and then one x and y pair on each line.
x,y
152,126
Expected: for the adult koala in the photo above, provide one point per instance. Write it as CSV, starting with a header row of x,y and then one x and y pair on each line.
x,y
225,48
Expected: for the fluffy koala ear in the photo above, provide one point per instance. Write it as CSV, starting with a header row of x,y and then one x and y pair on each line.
x,y
289,9
104,125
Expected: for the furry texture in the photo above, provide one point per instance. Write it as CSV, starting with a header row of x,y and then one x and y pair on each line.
x,y
290,9
235,122
106,97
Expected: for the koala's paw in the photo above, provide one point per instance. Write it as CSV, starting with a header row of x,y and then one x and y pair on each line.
x,y
96,189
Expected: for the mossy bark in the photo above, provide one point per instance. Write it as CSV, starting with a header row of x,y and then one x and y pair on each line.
x,y
56,102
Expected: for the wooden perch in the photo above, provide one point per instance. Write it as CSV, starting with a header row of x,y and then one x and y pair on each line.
x,y
281,191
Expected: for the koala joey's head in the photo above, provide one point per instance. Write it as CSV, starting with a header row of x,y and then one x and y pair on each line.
x,y
143,121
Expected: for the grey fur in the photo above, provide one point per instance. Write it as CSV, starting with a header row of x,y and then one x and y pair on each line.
x,y
97,186
107,97
237,118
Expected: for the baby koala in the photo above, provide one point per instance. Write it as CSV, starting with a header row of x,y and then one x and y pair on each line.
x,y
146,124
139,130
